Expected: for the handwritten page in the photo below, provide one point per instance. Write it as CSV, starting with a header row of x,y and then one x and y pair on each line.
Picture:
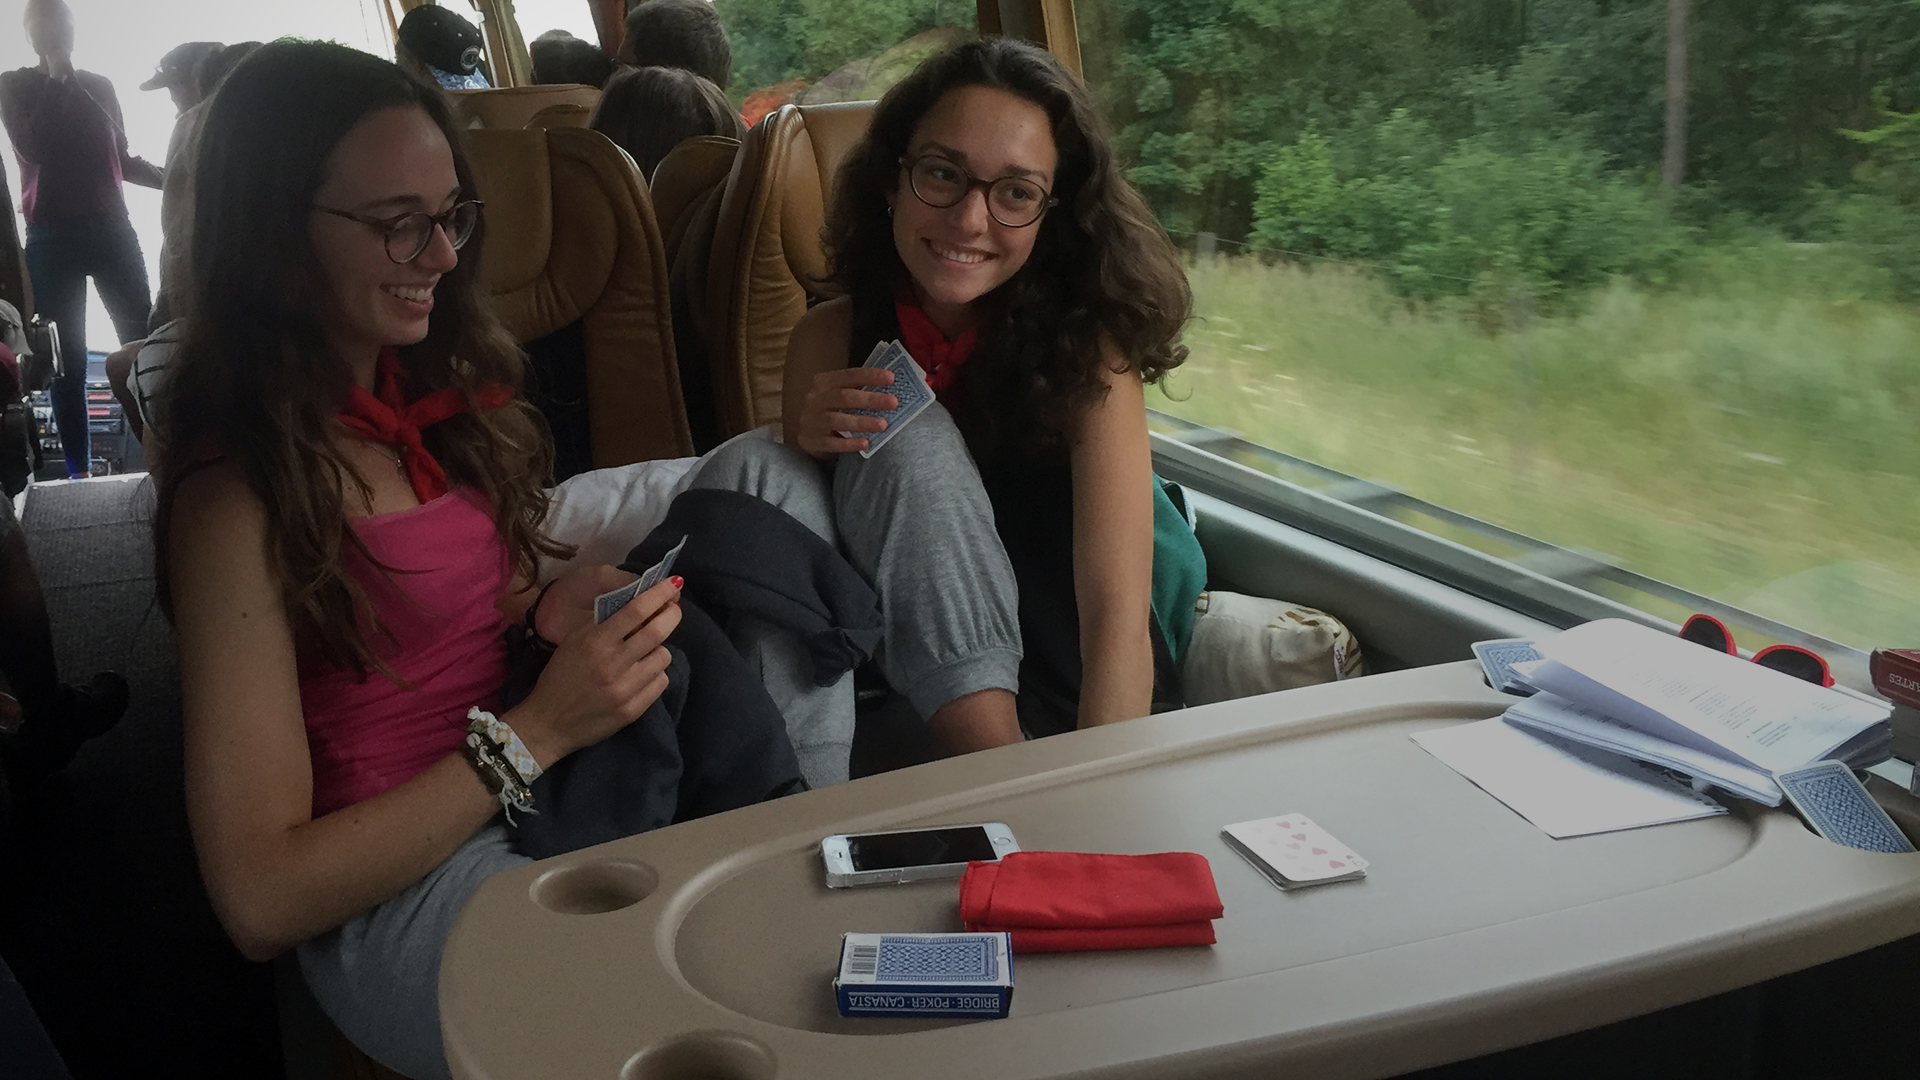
x,y
1565,789
1764,718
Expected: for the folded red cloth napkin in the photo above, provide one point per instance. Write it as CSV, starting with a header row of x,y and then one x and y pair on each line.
x,y
1068,901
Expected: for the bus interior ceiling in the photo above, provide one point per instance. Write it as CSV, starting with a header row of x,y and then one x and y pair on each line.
x,y
104,921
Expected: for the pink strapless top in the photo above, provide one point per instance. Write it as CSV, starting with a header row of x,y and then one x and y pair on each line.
x,y
450,570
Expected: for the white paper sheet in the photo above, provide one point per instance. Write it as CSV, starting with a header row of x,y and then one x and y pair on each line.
x,y
1552,715
1760,716
1565,789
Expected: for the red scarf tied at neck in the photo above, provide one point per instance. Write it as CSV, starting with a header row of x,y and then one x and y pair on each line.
x,y
388,418
938,357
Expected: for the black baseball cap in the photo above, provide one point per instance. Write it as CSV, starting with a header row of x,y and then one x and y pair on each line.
x,y
176,68
442,39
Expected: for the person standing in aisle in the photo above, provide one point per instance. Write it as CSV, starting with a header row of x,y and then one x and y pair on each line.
x,y
67,133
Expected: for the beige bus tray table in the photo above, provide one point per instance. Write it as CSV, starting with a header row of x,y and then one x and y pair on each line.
x,y
708,949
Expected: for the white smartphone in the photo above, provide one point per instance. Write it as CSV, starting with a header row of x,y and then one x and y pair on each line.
x,y
884,858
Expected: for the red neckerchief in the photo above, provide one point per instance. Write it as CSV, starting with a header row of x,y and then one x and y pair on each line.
x,y
388,418
939,358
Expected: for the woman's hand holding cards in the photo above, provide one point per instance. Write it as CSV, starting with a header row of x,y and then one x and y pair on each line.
x,y
567,604
601,678
824,415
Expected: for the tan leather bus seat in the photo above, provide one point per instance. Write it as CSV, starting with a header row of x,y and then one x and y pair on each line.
x,y
690,172
687,187
768,262
513,107
561,114
575,268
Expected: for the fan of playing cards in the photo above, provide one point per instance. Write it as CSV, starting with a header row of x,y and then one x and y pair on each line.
x,y
909,386
607,603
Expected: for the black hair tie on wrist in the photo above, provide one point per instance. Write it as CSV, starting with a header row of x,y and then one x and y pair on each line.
x,y
533,639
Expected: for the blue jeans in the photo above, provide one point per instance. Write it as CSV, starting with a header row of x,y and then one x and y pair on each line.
x,y
61,255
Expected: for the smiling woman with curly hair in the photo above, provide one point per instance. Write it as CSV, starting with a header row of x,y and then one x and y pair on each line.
x,y
984,222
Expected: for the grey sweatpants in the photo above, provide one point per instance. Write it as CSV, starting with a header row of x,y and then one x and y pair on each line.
x,y
913,520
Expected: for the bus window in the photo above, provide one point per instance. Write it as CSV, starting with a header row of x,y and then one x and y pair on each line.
x,y
123,42
536,17
1464,263
811,52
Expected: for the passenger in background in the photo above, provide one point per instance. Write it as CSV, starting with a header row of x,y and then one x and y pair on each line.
x,y
649,111
559,57
134,378
678,33
441,47
67,132
985,223
192,90
176,72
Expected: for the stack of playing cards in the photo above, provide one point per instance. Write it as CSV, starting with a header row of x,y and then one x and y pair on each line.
x,y
1294,852
909,387
1497,658
607,603
925,975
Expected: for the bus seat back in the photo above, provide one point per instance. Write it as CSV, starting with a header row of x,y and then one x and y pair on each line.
x,y
687,187
511,108
573,260
769,263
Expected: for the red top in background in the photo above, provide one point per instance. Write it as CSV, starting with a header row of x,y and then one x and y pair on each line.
x,y
70,141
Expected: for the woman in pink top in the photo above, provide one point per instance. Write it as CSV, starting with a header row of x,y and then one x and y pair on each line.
x,y
350,518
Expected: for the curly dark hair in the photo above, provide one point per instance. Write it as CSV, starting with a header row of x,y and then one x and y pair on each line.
x,y
256,379
1102,268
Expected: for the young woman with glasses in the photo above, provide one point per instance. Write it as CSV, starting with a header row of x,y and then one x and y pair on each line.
x,y
985,224
351,508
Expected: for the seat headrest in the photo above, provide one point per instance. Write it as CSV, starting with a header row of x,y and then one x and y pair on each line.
x,y
805,158
544,271
514,174
562,114
512,107
571,245
689,171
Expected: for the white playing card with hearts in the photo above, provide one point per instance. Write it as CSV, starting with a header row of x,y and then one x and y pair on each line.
x,y
1295,850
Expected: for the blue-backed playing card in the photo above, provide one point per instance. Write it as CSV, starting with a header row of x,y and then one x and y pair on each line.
x,y
607,603
1497,658
1839,808
909,387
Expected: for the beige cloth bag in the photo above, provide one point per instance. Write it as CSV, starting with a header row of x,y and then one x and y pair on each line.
x,y
1246,645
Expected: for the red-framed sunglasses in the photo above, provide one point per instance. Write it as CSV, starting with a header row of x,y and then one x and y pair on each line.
x,y
1786,659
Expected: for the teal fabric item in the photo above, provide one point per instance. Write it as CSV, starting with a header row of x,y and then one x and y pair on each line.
x,y
1179,571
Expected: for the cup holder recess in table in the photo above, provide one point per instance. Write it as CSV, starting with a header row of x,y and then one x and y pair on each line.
x,y
703,1055
595,888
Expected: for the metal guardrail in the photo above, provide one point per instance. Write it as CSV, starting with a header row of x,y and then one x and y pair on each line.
x,y
1557,585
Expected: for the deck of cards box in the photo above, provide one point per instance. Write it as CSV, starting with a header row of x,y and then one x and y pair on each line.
x,y
925,975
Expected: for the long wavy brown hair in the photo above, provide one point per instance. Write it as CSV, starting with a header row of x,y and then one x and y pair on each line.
x,y
1101,267
256,381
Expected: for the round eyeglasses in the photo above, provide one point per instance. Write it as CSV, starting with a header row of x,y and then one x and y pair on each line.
x,y
409,234
1013,201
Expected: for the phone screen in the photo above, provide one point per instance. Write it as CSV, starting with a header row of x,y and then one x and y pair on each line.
x,y
892,851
